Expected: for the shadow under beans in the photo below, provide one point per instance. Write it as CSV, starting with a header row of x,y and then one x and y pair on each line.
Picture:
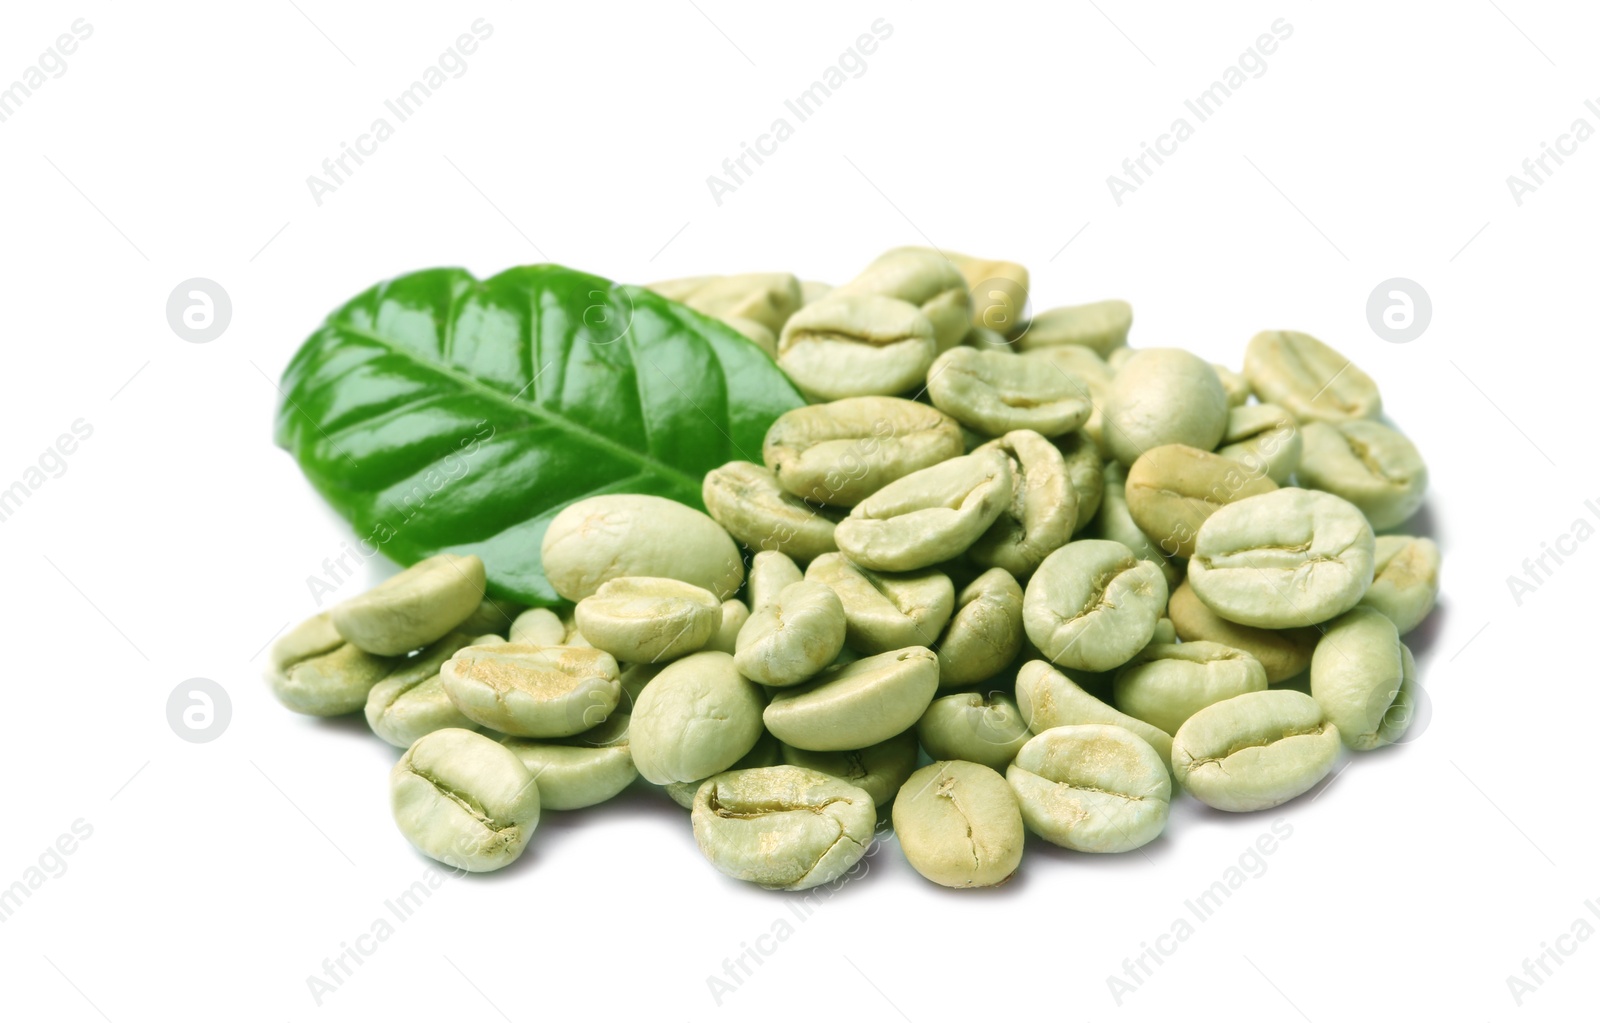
x,y
1422,639
1150,856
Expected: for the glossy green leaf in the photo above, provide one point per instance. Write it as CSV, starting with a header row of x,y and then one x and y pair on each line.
x,y
438,412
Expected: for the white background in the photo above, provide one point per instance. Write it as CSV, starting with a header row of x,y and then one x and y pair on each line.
x,y
178,540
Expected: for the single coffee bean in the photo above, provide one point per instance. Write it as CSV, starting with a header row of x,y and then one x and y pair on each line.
x,y
1099,326
1282,653
843,452
1172,489
884,612
410,610
411,700
1092,605
792,639
925,279
1164,396
1283,559
848,345
1115,522
1310,379
1168,683
768,299
492,616
765,753
750,504
464,800
996,392
1364,679
862,703
1264,439
1048,699
1405,581
982,729
1373,466
959,825
878,770
585,770
614,535
649,619
1234,385
1255,751
1041,513
312,670
734,614
930,516
538,626
1091,788
694,719
984,634
810,291
770,572
1086,473
999,292
782,827
538,692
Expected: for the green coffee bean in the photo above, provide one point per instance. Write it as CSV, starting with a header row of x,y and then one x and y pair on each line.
x,y
847,345
1082,366
649,619
878,770
1168,683
1086,473
1310,379
999,292
694,719
782,827
997,392
767,299
312,670
765,753
584,770
1364,678
1282,654
862,703
884,612
748,502
1164,396
959,825
792,639
1091,788
614,535
1092,605
734,615
533,691
1099,326
1371,465
1041,513
1115,522
1255,751
841,453
925,279
984,634
1405,581
1264,439
810,291
1283,559
412,609
982,729
411,700
538,626
763,338
770,572
464,800
1048,699
1234,385
930,516
1172,489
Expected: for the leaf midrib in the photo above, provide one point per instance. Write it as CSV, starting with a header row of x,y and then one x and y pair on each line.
x,y
560,422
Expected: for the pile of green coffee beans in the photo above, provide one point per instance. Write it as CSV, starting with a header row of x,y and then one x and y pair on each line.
x,y
1075,576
